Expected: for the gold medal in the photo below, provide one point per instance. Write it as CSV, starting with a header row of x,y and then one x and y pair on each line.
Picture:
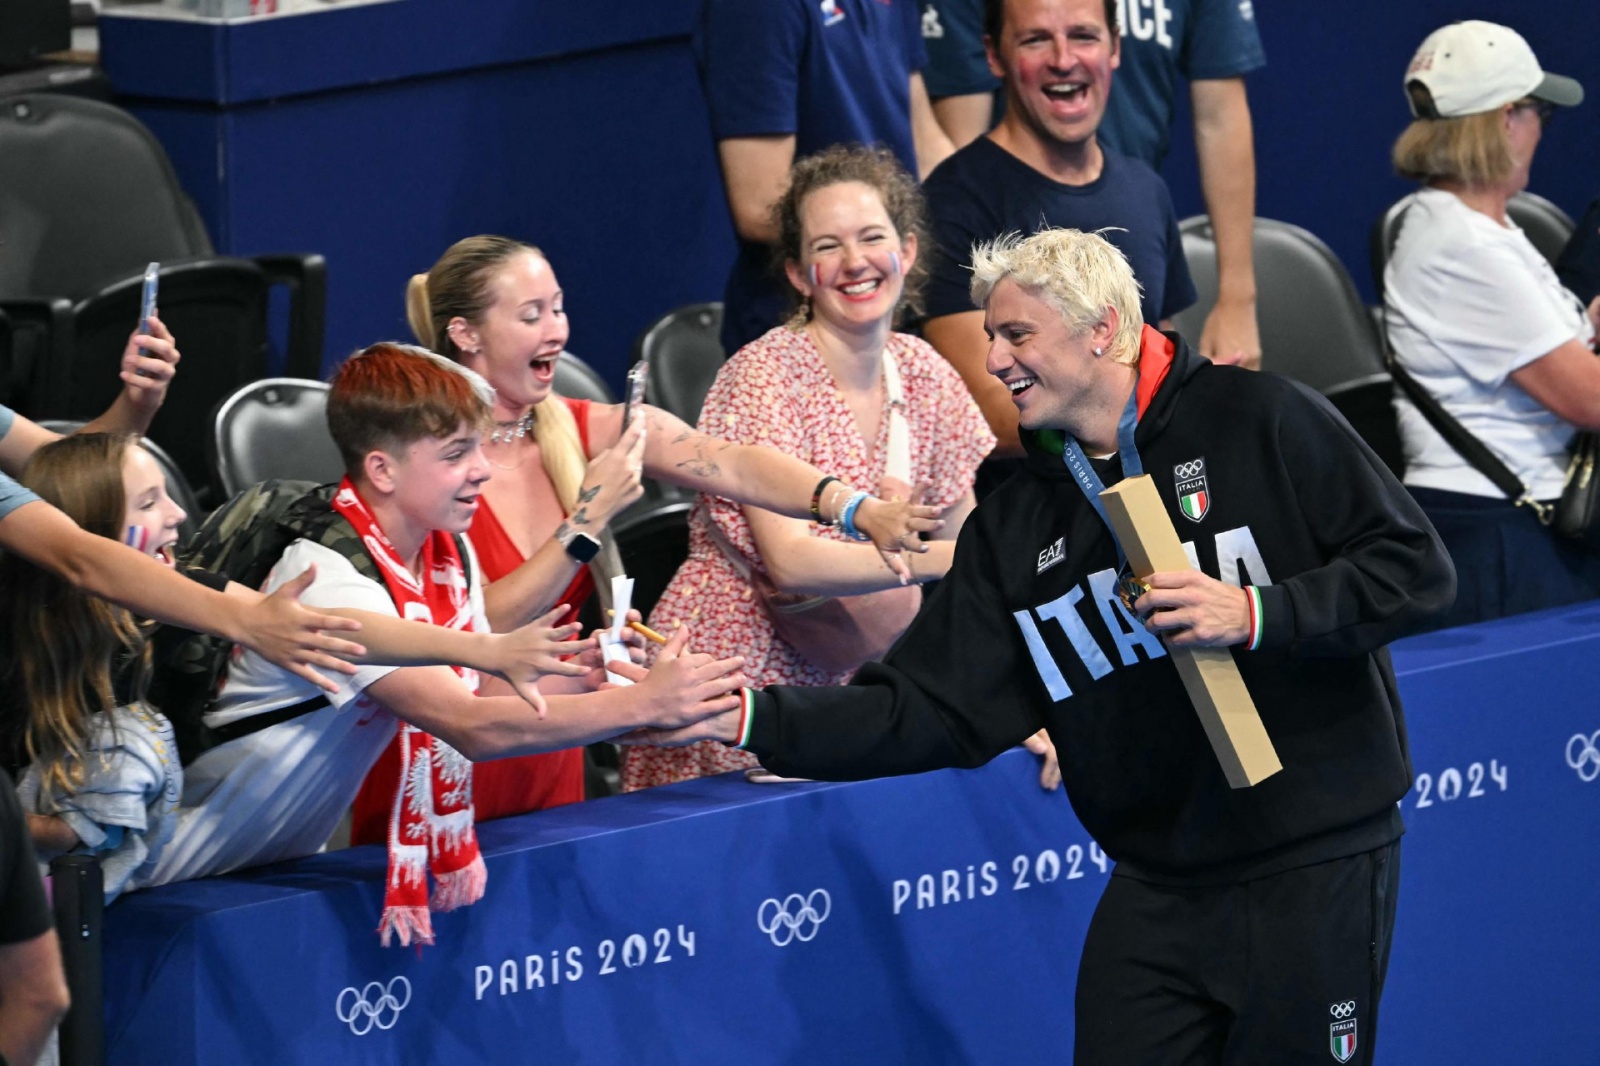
x,y
1129,589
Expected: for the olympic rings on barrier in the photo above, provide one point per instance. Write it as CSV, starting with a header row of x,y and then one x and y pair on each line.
x,y
796,918
1583,755
369,1006
1342,1010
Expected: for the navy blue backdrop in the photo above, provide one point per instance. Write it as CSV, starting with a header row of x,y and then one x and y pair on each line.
x,y
377,134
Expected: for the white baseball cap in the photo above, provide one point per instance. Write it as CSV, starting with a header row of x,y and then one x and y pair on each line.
x,y
1471,67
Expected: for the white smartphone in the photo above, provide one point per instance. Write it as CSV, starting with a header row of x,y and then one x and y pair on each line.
x,y
638,374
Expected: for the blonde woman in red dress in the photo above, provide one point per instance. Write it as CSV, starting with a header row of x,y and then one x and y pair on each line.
x,y
562,469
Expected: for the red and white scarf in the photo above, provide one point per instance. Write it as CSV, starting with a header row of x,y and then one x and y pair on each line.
x,y
430,824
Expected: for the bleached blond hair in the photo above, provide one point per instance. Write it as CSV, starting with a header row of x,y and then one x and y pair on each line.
x,y
1079,274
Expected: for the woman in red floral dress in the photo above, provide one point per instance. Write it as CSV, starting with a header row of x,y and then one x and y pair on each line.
x,y
820,389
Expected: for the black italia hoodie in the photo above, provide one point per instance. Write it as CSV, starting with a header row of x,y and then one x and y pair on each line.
x,y
1269,488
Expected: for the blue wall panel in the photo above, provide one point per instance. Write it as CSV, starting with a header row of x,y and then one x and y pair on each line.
x,y
604,160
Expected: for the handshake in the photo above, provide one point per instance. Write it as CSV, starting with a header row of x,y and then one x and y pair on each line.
x,y
680,698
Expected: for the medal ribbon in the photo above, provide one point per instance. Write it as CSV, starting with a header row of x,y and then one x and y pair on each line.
x,y
1127,453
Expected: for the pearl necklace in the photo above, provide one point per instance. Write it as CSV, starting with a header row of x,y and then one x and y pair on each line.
x,y
506,432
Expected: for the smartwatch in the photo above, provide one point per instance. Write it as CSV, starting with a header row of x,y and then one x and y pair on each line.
x,y
581,546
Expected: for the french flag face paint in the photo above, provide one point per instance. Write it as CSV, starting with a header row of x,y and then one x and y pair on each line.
x,y
816,276
137,538
894,263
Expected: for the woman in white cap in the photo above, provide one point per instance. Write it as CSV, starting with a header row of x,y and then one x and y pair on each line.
x,y
1477,316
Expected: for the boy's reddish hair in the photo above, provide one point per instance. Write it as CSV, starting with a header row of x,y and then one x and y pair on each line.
x,y
391,395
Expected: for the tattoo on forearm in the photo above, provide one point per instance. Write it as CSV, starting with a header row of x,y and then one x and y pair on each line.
x,y
563,531
580,517
681,437
585,495
701,465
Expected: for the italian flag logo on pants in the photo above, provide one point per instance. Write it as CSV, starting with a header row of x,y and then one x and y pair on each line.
x,y
1194,494
1342,1039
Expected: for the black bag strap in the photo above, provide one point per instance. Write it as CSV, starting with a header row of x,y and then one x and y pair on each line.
x,y
255,723
1469,447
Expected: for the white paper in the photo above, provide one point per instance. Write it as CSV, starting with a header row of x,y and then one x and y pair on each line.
x,y
612,649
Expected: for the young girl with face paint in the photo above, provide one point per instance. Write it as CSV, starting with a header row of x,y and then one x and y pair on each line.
x,y
103,774
822,388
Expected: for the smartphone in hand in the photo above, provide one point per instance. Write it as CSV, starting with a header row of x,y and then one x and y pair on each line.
x,y
147,301
638,374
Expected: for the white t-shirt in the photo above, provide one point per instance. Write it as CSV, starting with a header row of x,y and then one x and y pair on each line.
x,y
1469,301
279,793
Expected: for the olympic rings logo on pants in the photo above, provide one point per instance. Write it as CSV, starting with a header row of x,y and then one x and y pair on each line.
x,y
1583,755
375,1006
1342,1010
796,918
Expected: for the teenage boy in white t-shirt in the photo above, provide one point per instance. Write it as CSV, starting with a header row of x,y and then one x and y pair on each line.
x,y
409,425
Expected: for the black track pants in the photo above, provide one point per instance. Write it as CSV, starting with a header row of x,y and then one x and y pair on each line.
x,y
1282,970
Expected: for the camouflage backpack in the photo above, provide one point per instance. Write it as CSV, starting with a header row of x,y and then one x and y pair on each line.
x,y
242,540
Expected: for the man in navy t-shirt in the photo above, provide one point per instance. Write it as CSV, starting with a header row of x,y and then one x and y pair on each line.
x,y
1212,44
786,78
1043,166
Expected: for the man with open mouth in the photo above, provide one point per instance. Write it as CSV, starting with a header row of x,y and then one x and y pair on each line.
x,y
1044,166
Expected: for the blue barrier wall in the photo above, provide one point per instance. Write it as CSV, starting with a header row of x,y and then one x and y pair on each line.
x,y
379,134
927,919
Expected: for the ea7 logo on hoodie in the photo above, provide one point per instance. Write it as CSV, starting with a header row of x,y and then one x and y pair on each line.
x,y
1052,555
1194,494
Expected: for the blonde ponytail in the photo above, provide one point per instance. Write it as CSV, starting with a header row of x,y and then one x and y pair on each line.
x,y
418,314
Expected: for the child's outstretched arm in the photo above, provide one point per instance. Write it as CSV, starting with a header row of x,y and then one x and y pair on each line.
x,y
277,626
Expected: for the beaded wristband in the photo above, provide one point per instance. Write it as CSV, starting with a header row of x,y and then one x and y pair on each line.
x,y
847,515
816,501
